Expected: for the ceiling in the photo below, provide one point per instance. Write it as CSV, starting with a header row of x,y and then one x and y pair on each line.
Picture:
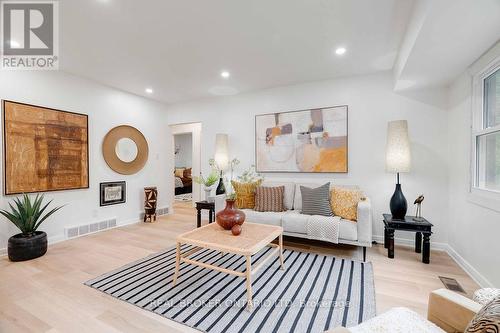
x,y
179,48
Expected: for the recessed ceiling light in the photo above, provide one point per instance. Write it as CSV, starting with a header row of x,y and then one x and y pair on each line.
x,y
340,50
149,90
225,74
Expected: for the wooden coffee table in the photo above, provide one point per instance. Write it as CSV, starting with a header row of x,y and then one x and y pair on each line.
x,y
253,238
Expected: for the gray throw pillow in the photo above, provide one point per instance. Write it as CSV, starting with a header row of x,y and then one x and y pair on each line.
x,y
316,201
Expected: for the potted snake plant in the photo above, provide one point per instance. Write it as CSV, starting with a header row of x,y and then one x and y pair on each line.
x,y
27,215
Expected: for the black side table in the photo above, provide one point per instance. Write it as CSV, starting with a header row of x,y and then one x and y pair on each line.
x,y
205,205
408,224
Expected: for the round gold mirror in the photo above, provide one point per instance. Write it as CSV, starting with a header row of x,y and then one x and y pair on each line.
x,y
125,150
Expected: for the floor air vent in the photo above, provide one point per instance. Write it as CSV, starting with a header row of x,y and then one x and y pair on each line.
x,y
451,284
85,229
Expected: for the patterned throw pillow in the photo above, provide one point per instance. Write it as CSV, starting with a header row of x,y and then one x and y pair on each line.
x,y
487,319
245,194
269,199
316,201
187,173
345,202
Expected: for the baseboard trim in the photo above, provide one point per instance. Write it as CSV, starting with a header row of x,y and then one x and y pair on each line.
x,y
468,268
60,238
437,246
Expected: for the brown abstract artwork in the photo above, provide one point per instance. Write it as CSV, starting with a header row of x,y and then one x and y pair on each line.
x,y
312,140
44,149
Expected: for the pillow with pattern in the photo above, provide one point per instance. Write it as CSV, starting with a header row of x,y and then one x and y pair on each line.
x,y
245,194
316,201
345,201
270,199
487,319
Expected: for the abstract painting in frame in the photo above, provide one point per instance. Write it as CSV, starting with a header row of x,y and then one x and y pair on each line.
x,y
44,149
313,140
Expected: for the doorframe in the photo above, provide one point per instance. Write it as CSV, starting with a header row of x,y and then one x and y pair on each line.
x,y
195,130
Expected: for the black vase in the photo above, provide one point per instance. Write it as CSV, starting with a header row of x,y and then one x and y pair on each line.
x,y
221,189
398,204
21,248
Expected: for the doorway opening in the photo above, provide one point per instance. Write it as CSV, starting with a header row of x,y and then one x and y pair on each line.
x,y
183,167
186,150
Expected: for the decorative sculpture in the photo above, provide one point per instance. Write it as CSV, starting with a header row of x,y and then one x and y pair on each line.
x,y
151,195
418,213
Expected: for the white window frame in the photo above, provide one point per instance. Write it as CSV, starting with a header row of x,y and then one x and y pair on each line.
x,y
482,196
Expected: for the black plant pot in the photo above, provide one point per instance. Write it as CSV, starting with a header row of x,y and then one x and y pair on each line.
x,y
21,248
398,204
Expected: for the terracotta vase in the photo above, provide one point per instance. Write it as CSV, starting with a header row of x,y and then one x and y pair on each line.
x,y
230,216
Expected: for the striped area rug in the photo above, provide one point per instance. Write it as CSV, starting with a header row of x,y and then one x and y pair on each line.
x,y
314,293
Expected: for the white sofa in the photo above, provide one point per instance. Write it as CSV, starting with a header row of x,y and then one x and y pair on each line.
x,y
295,224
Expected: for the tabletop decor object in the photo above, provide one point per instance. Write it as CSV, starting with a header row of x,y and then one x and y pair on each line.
x,y
230,215
207,182
27,215
150,202
221,159
398,160
418,212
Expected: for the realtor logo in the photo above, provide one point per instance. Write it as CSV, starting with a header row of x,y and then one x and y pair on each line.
x,y
30,39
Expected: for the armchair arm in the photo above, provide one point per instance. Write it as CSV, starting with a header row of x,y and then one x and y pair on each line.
x,y
451,311
364,222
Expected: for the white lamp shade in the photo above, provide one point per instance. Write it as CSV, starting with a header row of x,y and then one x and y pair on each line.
x,y
221,156
398,156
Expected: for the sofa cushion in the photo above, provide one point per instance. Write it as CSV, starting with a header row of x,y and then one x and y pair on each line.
x,y
245,193
294,221
397,320
344,202
348,230
269,199
316,201
289,191
272,218
297,199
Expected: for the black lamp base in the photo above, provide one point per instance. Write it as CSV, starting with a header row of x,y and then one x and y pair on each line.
x,y
398,204
221,189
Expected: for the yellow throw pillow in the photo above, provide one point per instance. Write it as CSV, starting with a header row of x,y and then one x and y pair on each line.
x,y
345,202
179,172
245,194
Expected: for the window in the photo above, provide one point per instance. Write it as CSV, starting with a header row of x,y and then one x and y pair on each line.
x,y
486,130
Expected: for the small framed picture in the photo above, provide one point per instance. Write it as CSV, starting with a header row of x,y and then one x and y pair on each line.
x,y
113,193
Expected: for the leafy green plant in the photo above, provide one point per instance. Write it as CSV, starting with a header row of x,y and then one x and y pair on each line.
x,y
211,179
250,176
28,215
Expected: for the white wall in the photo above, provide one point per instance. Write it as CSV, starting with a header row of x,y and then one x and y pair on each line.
x,y
474,230
183,159
372,103
106,108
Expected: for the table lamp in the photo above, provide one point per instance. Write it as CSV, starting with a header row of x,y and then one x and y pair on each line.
x,y
398,159
221,158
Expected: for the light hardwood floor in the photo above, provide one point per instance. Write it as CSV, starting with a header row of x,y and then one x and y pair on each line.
x,y
48,295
